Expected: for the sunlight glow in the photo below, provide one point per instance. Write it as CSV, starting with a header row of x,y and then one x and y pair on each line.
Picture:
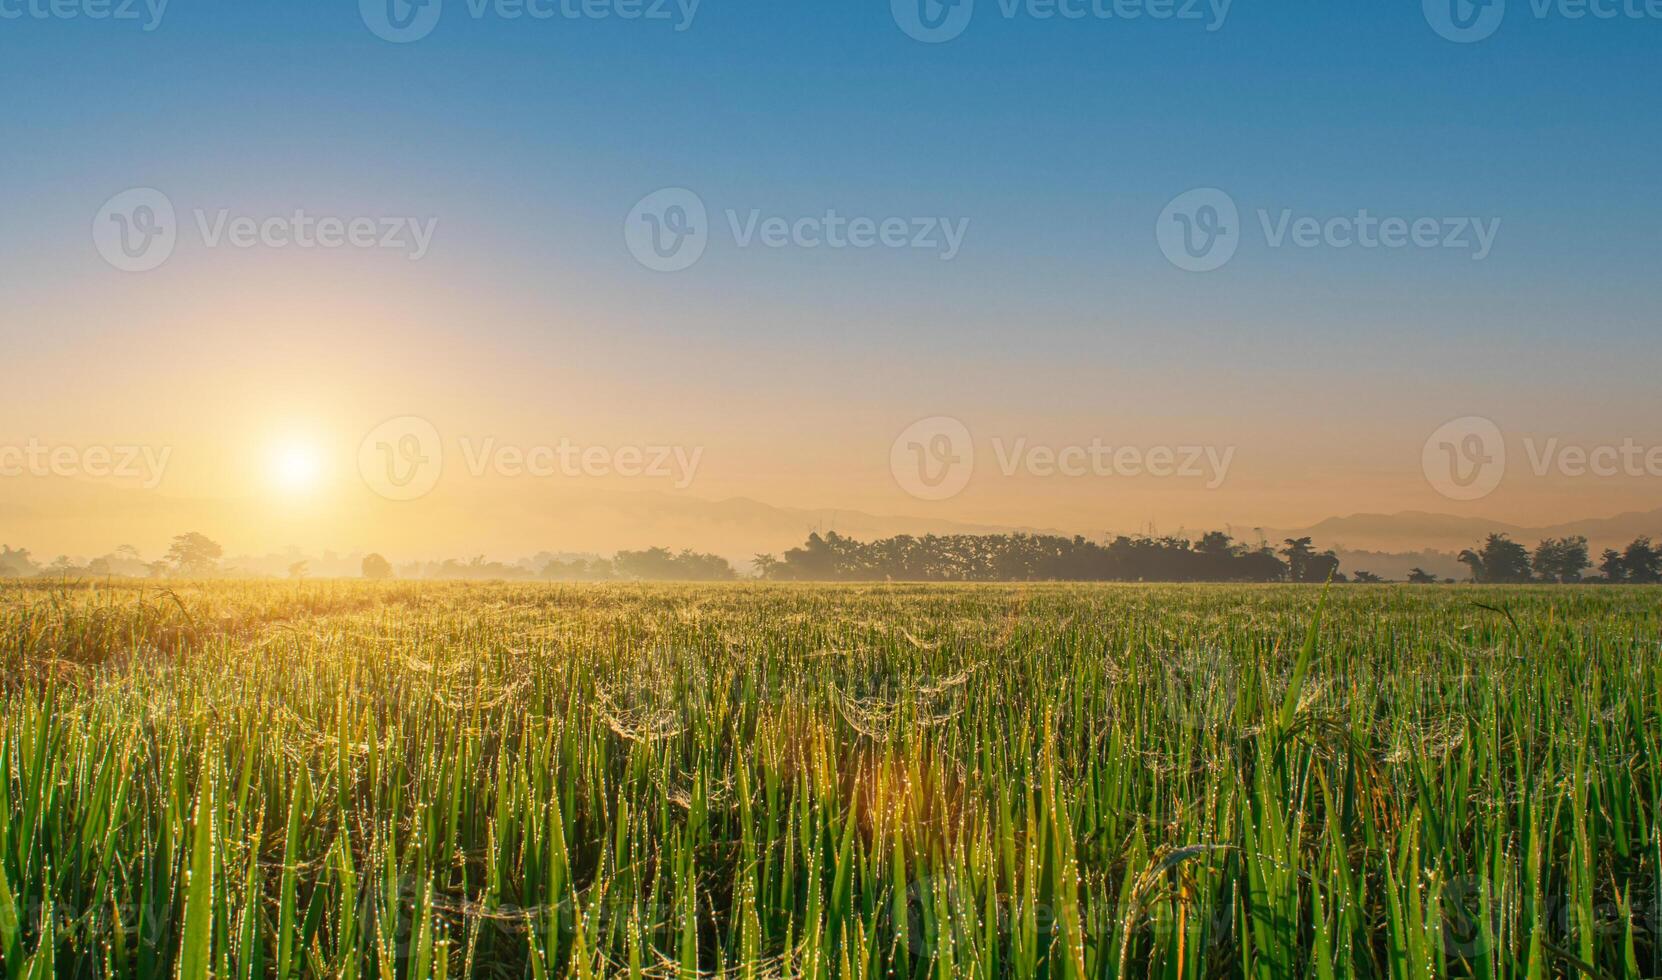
x,y
296,467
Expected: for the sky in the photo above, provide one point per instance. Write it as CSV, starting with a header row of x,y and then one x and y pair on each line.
x,y
628,228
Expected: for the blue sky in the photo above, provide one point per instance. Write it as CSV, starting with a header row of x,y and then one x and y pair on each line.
x,y
1059,141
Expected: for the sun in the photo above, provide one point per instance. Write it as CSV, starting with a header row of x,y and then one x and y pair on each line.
x,y
295,468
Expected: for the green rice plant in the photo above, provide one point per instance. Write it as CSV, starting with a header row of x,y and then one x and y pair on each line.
x,y
404,780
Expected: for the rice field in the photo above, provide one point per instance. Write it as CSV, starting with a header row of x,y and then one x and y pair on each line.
x,y
403,780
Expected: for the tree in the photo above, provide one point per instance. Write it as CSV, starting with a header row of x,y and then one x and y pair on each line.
x,y
1473,561
195,554
1262,566
1500,560
299,569
1299,554
1419,576
1642,562
1323,568
16,563
1215,557
764,565
660,565
376,568
1367,578
1612,565
1216,543
1561,559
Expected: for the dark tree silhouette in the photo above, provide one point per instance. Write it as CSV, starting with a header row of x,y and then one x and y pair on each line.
x,y
1642,562
1612,566
1501,560
1028,558
1561,559
1299,553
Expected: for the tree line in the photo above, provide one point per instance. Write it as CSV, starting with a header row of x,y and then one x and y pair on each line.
x,y
195,555
1213,557
1501,560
